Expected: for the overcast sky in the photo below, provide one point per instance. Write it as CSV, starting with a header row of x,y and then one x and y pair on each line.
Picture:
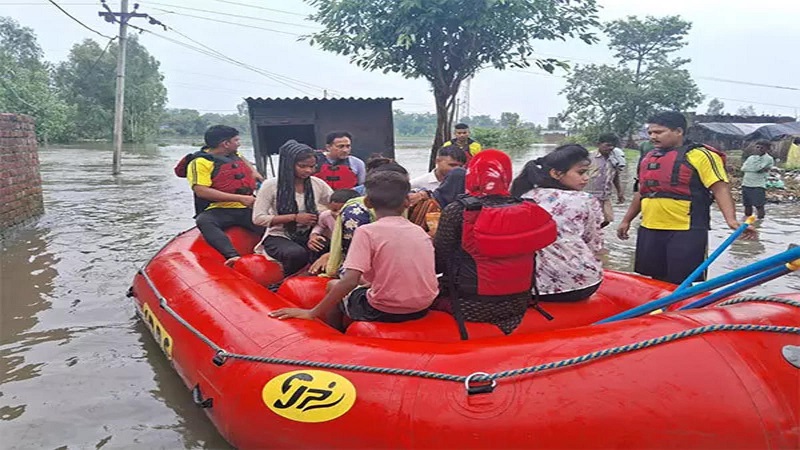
x,y
742,40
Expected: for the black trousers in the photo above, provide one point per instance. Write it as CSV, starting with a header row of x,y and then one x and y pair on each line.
x,y
292,255
754,196
213,223
670,255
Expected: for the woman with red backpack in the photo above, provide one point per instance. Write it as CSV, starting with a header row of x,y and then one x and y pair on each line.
x,y
485,246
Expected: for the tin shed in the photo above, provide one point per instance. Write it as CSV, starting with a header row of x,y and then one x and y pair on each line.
x,y
273,121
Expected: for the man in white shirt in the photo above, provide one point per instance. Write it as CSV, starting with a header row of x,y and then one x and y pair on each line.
x,y
616,158
447,159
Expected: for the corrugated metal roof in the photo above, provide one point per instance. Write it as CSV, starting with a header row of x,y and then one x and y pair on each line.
x,y
333,99
753,130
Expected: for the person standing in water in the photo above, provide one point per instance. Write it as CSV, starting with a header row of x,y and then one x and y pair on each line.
x,y
678,180
754,182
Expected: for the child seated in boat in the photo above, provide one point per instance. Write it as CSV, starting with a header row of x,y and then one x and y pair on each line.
x,y
289,206
392,256
319,241
570,269
353,214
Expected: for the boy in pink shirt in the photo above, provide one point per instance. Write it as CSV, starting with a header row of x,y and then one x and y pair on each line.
x,y
394,257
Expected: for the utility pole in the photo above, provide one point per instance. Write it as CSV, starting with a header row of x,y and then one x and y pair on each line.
x,y
466,98
119,99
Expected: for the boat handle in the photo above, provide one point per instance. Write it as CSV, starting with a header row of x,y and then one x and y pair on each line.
x,y
482,387
197,397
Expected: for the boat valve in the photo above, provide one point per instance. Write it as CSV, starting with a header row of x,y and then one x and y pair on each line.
x,y
479,387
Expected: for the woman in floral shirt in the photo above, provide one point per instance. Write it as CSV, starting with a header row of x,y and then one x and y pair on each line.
x,y
569,269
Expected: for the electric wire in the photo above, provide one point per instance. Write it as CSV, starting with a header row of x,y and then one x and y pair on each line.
x,y
78,21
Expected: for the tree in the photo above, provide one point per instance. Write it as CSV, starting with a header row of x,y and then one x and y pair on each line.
x,y
26,82
87,80
448,41
715,107
617,98
482,121
746,111
512,135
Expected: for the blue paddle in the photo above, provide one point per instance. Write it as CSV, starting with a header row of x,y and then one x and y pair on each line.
x,y
723,280
746,284
722,247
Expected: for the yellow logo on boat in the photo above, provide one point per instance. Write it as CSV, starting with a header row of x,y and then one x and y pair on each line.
x,y
309,395
163,338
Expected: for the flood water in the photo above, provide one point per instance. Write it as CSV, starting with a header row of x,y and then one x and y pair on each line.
x,y
77,370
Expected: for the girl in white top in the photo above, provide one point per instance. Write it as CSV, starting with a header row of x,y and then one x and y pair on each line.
x,y
289,206
569,269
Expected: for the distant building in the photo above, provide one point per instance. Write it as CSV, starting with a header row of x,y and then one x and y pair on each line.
x,y
728,132
273,121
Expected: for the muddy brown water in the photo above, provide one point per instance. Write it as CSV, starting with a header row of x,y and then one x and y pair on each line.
x,y
78,370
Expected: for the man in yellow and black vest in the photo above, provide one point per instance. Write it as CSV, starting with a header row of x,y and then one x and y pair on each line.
x,y
463,141
678,180
223,183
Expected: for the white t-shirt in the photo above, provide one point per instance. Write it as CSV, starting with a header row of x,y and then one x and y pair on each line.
x,y
617,158
427,181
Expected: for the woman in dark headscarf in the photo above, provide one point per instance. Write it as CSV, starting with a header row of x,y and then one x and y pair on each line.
x,y
289,205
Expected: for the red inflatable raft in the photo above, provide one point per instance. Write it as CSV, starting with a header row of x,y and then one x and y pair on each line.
x,y
267,383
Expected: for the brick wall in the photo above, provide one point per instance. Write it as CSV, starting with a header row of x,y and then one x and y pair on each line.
x,y
20,182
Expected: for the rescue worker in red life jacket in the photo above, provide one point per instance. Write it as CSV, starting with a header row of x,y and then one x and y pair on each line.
x,y
337,166
485,245
677,182
221,177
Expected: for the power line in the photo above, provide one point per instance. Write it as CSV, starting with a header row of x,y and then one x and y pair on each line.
x,y
750,83
262,7
228,14
105,49
219,56
227,22
203,87
76,20
45,4
217,77
758,103
272,75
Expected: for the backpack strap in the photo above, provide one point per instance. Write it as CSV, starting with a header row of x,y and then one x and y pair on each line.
x,y
471,203
535,303
455,301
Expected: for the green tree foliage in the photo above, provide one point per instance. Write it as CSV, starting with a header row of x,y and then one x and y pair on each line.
x,y
619,98
414,124
482,121
747,111
448,41
26,82
715,107
87,80
511,135
190,123
488,137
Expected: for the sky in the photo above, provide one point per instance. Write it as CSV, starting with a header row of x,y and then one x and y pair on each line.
x,y
738,40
